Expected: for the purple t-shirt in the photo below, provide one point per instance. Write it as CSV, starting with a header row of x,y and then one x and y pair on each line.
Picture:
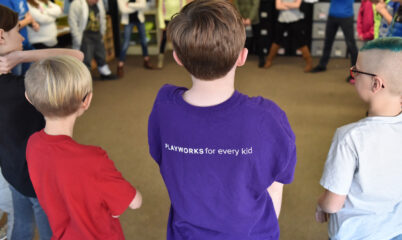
x,y
217,163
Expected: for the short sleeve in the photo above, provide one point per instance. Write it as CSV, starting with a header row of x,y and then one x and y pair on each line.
x,y
114,190
286,174
154,138
340,166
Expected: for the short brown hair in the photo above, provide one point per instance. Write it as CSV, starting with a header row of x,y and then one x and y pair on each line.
x,y
8,18
58,85
207,36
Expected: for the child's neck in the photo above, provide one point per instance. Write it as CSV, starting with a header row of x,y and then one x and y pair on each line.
x,y
389,107
60,126
209,93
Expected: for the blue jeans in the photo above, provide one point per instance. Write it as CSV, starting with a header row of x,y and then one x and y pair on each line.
x,y
26,211
6,204
128,29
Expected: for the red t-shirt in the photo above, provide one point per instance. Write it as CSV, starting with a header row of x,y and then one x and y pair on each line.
x,y
78,186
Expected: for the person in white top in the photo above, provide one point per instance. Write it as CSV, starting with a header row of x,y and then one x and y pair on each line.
x,y
132,14
362,175
290,22
87,20
45,14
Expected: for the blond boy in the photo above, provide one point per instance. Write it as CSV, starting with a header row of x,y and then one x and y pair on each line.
x,y
78,186
224,156
362,174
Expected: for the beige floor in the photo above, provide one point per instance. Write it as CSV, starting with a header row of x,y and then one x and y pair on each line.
x,y
316,104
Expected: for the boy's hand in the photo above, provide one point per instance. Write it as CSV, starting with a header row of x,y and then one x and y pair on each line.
x,y
320,215
35,26
381,7
246,21
8,62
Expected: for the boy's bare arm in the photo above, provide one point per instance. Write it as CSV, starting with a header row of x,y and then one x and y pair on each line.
x,y
137,201
12,59
381,8
279,5
26,21
293,5
275,191
331,202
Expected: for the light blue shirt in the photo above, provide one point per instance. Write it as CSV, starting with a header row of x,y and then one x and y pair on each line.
x,y
364,163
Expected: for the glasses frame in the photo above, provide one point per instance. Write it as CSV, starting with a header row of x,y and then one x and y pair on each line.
x,y
353,70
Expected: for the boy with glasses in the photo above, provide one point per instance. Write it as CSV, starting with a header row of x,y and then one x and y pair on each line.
x,y
361,176
77,185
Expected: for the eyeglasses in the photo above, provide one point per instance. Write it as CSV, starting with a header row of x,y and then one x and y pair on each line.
x,y
354,72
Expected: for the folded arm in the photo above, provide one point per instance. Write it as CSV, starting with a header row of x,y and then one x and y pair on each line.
x,y
12,59
328,202
293,5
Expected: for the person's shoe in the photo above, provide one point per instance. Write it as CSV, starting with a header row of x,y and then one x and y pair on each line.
x,y
318,68
120,71
3,232
307,57
108,77
148,65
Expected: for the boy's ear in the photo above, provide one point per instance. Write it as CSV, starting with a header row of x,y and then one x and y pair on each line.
x,y
241,60
378,84
87,101
176,58
26,96
2,36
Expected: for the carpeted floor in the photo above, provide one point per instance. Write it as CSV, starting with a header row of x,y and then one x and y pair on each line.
x,y
316,104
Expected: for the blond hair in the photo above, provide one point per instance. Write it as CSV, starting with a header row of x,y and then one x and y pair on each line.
x,y
207,36
57,86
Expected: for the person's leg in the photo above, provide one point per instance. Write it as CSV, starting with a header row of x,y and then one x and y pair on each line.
x,y
24,223
143,38
258,44
280,28
100,53
100,57
144,45
330,32
87,48
128,29
6,204
297,32
164,39
45,232
162,47
347,26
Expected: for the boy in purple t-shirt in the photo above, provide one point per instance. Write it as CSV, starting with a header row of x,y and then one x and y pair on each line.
x,y
224,156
